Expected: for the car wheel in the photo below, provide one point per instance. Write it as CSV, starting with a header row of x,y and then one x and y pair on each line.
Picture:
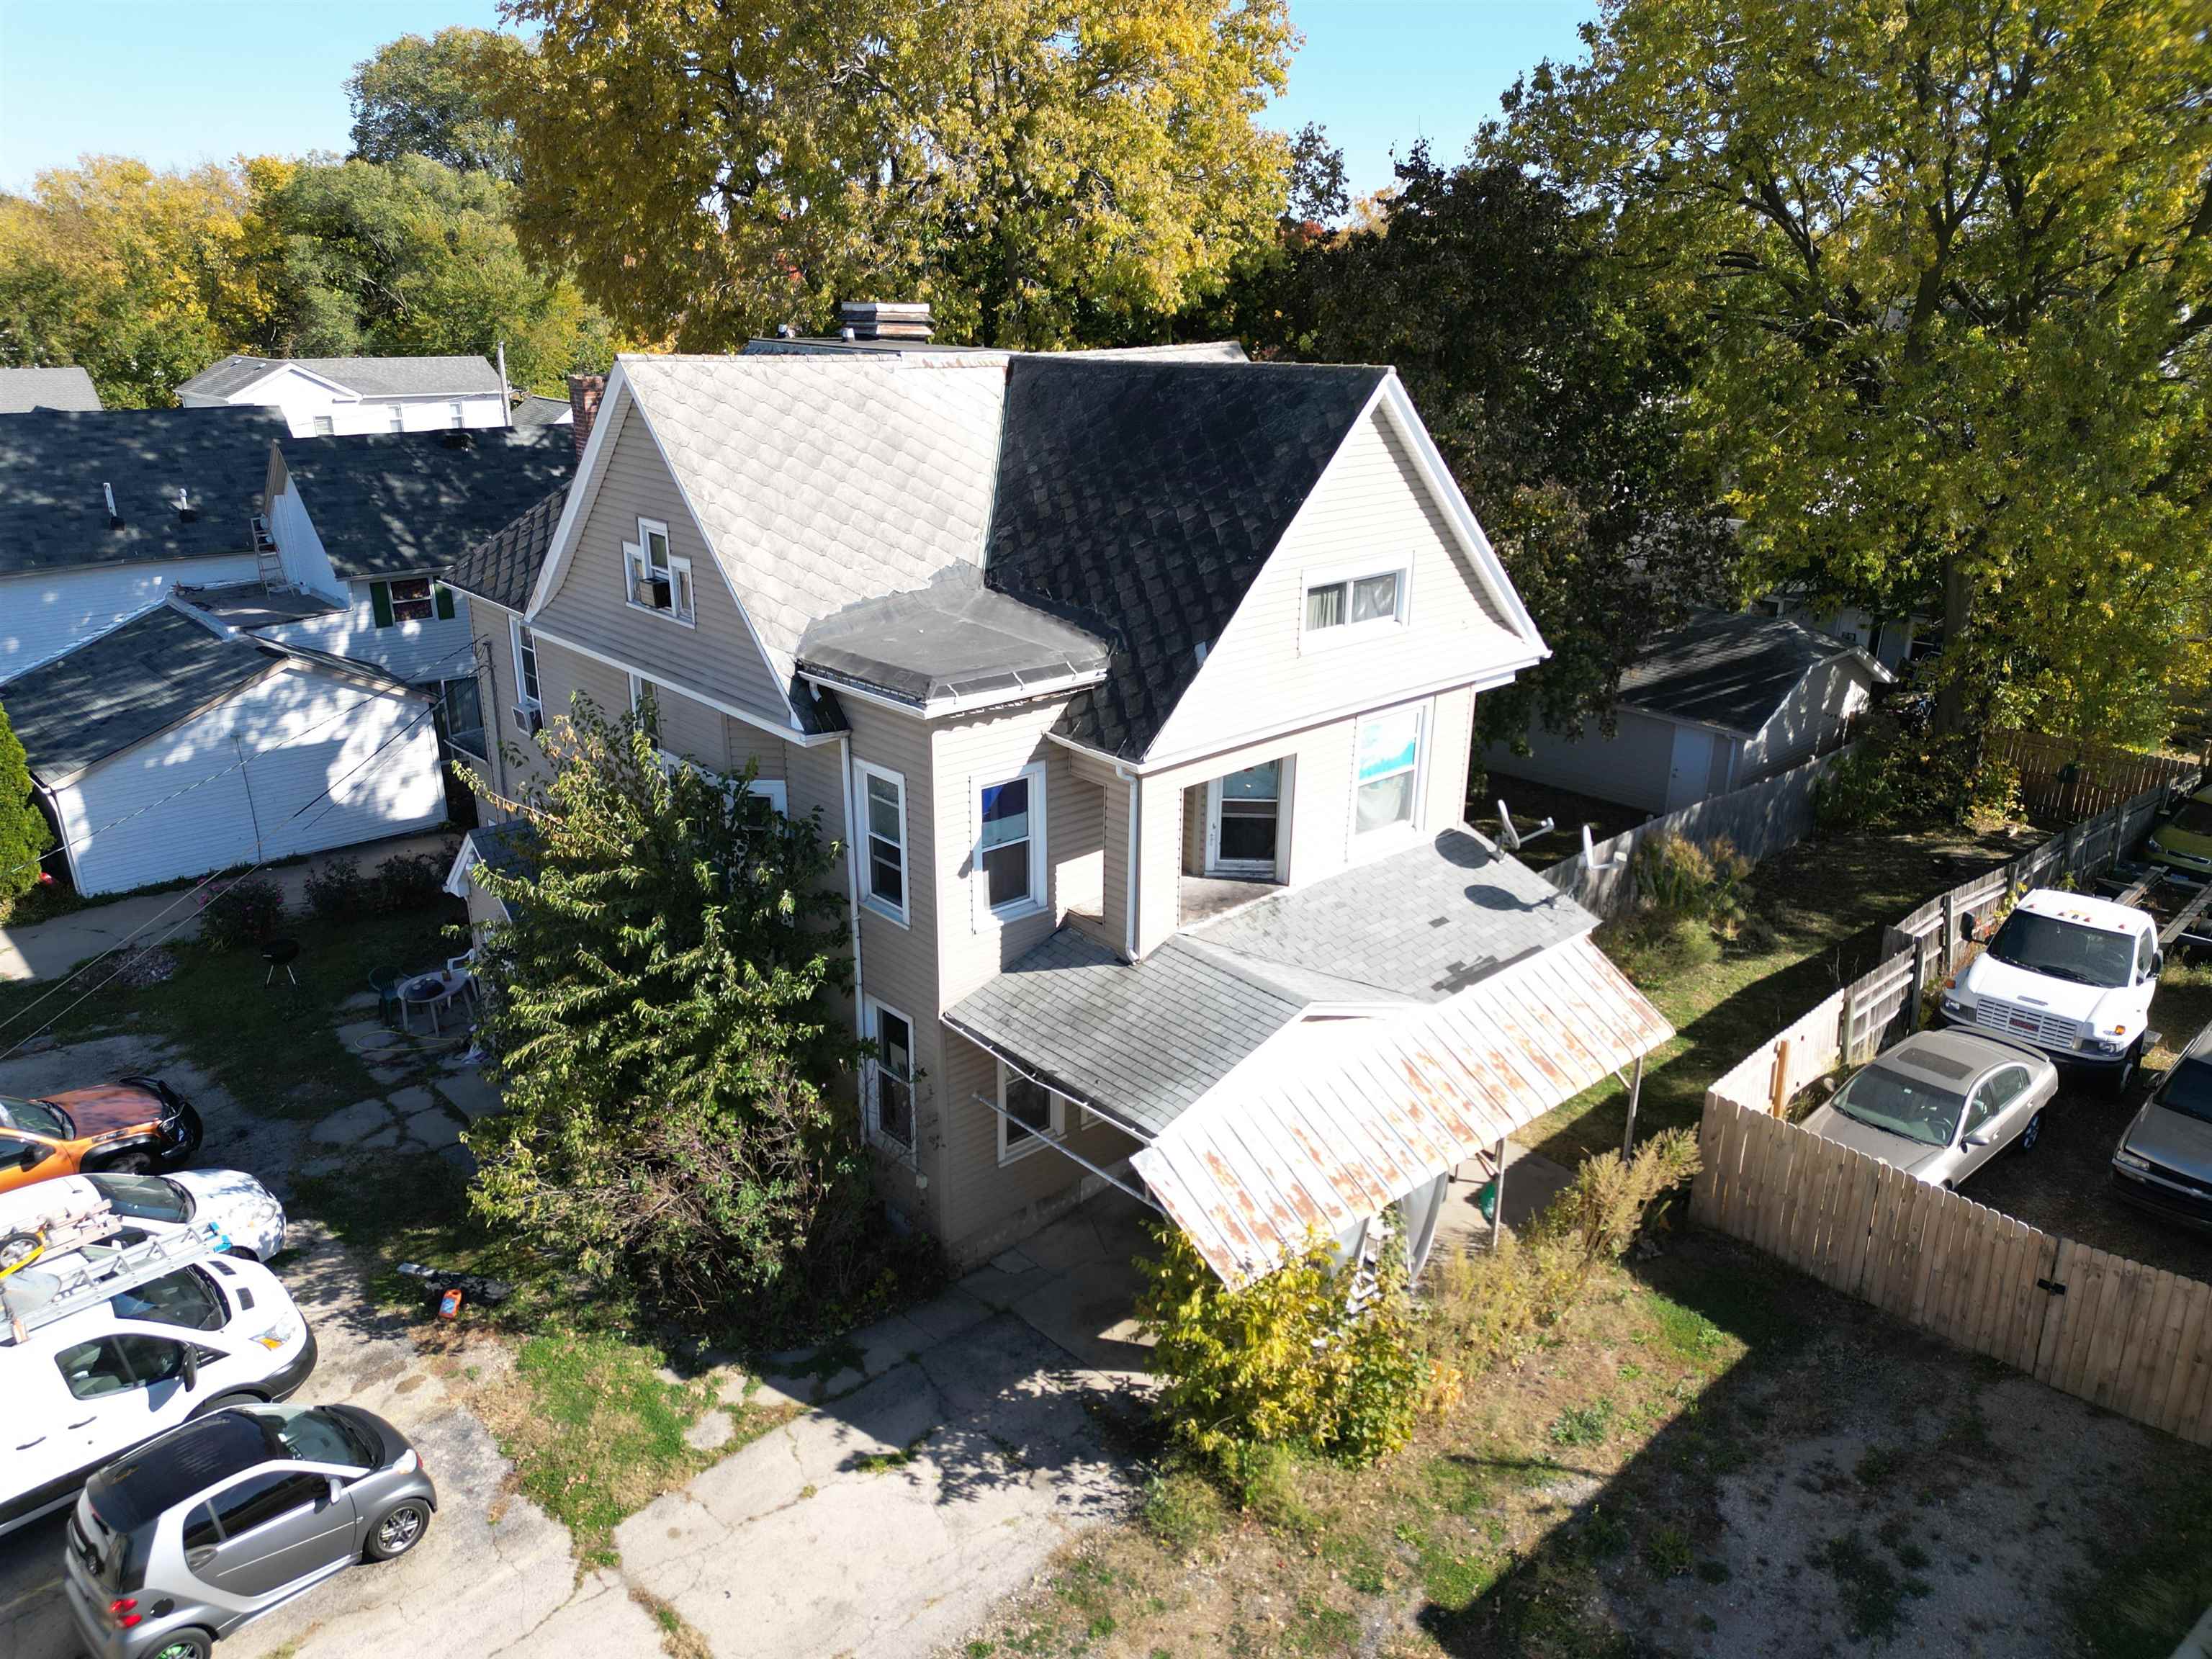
x,y
2032,1134
183,1644
397,1530
189,1142
2124,1072
131,1164
225,1401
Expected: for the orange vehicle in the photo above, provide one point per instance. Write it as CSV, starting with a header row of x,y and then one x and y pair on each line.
x,y
130,1127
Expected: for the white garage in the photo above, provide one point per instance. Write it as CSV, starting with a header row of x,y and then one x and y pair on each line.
x,y
163,750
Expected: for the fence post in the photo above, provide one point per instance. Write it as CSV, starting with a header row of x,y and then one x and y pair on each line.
x,y
1950,931
1850,1020
1778,1092
1919,982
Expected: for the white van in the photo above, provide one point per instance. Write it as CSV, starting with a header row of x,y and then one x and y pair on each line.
x,y
102,1349
136,1206
2069,973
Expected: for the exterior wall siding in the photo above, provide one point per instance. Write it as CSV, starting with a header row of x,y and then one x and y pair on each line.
x,y
592,607
301,732
1630,767
303,399
1371,508
44,613
299,547
420,652
1810,716
517,759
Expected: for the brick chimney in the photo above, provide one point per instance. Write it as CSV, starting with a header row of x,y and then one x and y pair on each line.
x,y
584,391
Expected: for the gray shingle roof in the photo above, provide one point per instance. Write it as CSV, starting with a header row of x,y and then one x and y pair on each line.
x,y
124,687
1145,1041
24,389
510,847
503,567
534,411
250,604
390,503
371,377
52,514
1733,671
1142,496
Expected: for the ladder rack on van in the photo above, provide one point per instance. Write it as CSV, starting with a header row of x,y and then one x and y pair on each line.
x,y
35,1297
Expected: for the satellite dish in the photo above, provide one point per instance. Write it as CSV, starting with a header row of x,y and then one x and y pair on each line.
x,y
1513,837
1618,861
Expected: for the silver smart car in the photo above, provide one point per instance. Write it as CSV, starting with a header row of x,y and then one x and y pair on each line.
x,y
181,1541
1941,1105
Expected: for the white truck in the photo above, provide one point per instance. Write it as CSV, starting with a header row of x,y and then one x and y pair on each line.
x,y
2071,973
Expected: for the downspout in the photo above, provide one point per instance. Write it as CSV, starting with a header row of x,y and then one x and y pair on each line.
x,y
852,898
1130,920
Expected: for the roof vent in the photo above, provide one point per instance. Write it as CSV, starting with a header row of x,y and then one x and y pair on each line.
x,y
114,519
458,438
885,319
185,510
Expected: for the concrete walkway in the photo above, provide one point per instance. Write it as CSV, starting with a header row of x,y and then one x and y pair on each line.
x,y
50,949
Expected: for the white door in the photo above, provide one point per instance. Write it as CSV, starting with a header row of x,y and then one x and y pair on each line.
x,y
1689,774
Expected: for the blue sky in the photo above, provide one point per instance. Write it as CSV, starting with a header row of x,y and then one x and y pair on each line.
x,y
181,81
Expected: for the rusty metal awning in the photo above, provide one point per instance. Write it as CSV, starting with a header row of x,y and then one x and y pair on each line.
x,y
1342,1113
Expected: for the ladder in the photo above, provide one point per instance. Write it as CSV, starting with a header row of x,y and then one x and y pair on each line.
x,y
33,1298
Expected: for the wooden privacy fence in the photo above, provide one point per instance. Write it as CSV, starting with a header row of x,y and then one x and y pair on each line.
x,y
2064,780
2132,1338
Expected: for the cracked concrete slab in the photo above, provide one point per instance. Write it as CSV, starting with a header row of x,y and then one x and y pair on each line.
x,y
349,1124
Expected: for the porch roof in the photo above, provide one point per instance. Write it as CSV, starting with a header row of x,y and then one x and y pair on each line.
x,y
1341,1114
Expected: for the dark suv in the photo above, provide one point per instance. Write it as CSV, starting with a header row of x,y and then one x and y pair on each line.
x,y
182,1541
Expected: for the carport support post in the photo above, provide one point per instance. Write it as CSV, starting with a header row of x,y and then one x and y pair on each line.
x,y
1635,1093
1498,1198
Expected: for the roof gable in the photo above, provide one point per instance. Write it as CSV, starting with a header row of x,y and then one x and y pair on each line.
x,y
1733,671
1142,497
360,377
22,390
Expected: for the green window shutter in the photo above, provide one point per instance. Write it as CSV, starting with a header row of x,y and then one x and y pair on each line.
x,y
445,597
380,601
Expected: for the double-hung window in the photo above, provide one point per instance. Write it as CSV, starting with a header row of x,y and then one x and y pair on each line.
x,y
456,417
1010,843
659,579
326,427
645,705
891,1075
1386,761
1354,602
1032,1115
395,419
883,817
529,705
408,598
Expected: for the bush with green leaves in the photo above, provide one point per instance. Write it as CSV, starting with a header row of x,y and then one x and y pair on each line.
x,y
242,914
1894,779
408,881
1286,1361
666,1047
336,890
23,833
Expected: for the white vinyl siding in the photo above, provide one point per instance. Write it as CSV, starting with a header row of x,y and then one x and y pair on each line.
x,y
299,732
420,652
45,612
312,407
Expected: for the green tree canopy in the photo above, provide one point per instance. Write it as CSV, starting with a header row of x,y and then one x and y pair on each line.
x,y
435,97
1042,173
1550,391
1957,260
23,833
661,1025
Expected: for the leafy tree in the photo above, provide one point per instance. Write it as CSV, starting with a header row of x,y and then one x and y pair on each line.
x,y
23,833
1957,261
663,1047
1042,173
433,97
1551,391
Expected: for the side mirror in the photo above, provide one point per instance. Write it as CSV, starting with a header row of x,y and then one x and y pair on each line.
x,y
1975,1140
192,1368
33,1156
2157,963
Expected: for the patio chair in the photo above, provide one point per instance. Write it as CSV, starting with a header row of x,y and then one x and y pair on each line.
x,y
385,981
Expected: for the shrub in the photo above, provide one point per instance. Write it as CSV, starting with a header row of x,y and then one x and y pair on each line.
x,y
1704,882
244,913
336,891
1285,1362
408,881
1901,780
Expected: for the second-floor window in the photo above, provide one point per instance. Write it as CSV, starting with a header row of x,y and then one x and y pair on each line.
x,y
408,598
526,697
326,427
1009,842
645,704
883,815
456,417
1354,602
659,579
396,419
1387,752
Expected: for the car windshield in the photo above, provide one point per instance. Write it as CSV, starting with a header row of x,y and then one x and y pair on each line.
x,y
144,1198
315,1436
34,1116
2188,1089
2195,818
2065,950
1902,1104
187,1298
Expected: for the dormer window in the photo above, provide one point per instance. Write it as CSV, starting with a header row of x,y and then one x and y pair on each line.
x,y
1354,602
659,579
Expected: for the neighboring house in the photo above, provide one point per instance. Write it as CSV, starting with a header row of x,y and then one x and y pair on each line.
x,y
1895,642
103,515
531,410
337,396
1721,704
165,749
496,576
1140,690
25,389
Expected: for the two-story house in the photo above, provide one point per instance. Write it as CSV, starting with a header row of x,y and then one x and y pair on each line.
x,y
330,396
1139,689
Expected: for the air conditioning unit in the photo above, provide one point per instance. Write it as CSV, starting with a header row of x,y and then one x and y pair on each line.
x,y
531,718
653,591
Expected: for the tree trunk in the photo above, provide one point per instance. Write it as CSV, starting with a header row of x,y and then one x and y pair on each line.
x,y
1951,711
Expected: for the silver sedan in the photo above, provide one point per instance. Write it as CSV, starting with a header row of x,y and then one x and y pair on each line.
x,y
1941,1105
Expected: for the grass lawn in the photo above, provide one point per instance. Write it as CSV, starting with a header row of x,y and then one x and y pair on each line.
x,y
1817,916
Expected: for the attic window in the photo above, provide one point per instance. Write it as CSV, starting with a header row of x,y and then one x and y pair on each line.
x,y
1347,604
657,579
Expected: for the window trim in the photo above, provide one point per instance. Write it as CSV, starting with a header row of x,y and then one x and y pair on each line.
x,y
458,415
323,426
1039,897
529,693
901,913
1035,1141
391,585
874,1009
1384,834
1347,576
638,566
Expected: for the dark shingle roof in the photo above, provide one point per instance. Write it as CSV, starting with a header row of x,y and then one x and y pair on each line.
x,y
52,465
371,377
503,567
534,411
1141,498
25,389
510,847
124,687
1732,671
392,503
